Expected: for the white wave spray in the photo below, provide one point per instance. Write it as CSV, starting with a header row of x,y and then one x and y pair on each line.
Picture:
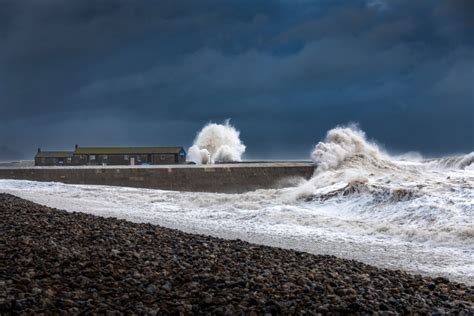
x,y
415,198
217,143
343,143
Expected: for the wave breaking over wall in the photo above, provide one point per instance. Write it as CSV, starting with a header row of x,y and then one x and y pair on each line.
x,y
217,143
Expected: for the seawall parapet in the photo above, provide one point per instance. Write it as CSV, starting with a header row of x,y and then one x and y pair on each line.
x,y
222,178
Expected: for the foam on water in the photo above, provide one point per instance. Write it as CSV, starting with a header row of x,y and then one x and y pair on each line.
x,y
398,212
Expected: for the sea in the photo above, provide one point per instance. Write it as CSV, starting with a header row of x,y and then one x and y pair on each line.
x,y
402,212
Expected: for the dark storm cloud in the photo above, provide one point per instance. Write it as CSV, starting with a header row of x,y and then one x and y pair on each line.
x,y
7,153
136,73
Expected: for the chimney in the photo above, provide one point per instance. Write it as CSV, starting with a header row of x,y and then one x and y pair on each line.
x,y
77,146
39,150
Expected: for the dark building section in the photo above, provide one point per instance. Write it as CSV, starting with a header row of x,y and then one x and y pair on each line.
x,y
53,158
114,156
128,155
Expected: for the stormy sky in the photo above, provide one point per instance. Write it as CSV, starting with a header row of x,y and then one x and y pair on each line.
x,y
137,73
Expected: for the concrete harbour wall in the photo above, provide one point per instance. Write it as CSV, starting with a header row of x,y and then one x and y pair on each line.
x,y
225,178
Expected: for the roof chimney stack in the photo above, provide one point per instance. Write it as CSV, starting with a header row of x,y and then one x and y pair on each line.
x,y
39,150
77,146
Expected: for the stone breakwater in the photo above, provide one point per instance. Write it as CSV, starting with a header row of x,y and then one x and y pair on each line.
x,y
60,262
223,178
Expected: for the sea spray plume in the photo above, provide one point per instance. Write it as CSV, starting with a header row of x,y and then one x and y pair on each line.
x,y
217,143
344,156
340,144
198,156
227,153
411,156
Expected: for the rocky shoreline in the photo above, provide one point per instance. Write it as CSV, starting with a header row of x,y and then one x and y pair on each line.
x,y
60,262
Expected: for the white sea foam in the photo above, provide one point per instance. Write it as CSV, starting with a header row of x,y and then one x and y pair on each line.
x,y
217,143
399,212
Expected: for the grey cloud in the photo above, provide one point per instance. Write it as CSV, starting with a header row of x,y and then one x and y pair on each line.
x,y
129,72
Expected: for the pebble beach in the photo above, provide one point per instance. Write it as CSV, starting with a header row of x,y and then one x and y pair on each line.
x,y
73,263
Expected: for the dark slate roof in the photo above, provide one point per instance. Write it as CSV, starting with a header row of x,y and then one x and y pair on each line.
x,y
127,150
54,154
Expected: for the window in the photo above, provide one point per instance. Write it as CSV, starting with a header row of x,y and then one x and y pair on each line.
x,y
69,159
162,157
92,157
125,157
105,157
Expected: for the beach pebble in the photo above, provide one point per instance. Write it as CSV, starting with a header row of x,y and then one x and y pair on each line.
x,y
69,263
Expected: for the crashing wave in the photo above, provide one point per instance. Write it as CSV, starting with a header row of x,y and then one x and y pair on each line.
x,y
458,162
345,156
347,145
378,194
217,143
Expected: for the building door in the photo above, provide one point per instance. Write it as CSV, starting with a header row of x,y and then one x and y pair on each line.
x,y
132,161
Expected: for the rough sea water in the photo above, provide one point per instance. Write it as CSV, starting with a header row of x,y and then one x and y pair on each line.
x,y
401,212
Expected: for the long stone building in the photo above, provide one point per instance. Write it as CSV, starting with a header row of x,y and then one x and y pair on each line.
x,y
53,158
114,156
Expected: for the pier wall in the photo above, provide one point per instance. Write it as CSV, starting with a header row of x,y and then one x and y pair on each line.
x,y
232,178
